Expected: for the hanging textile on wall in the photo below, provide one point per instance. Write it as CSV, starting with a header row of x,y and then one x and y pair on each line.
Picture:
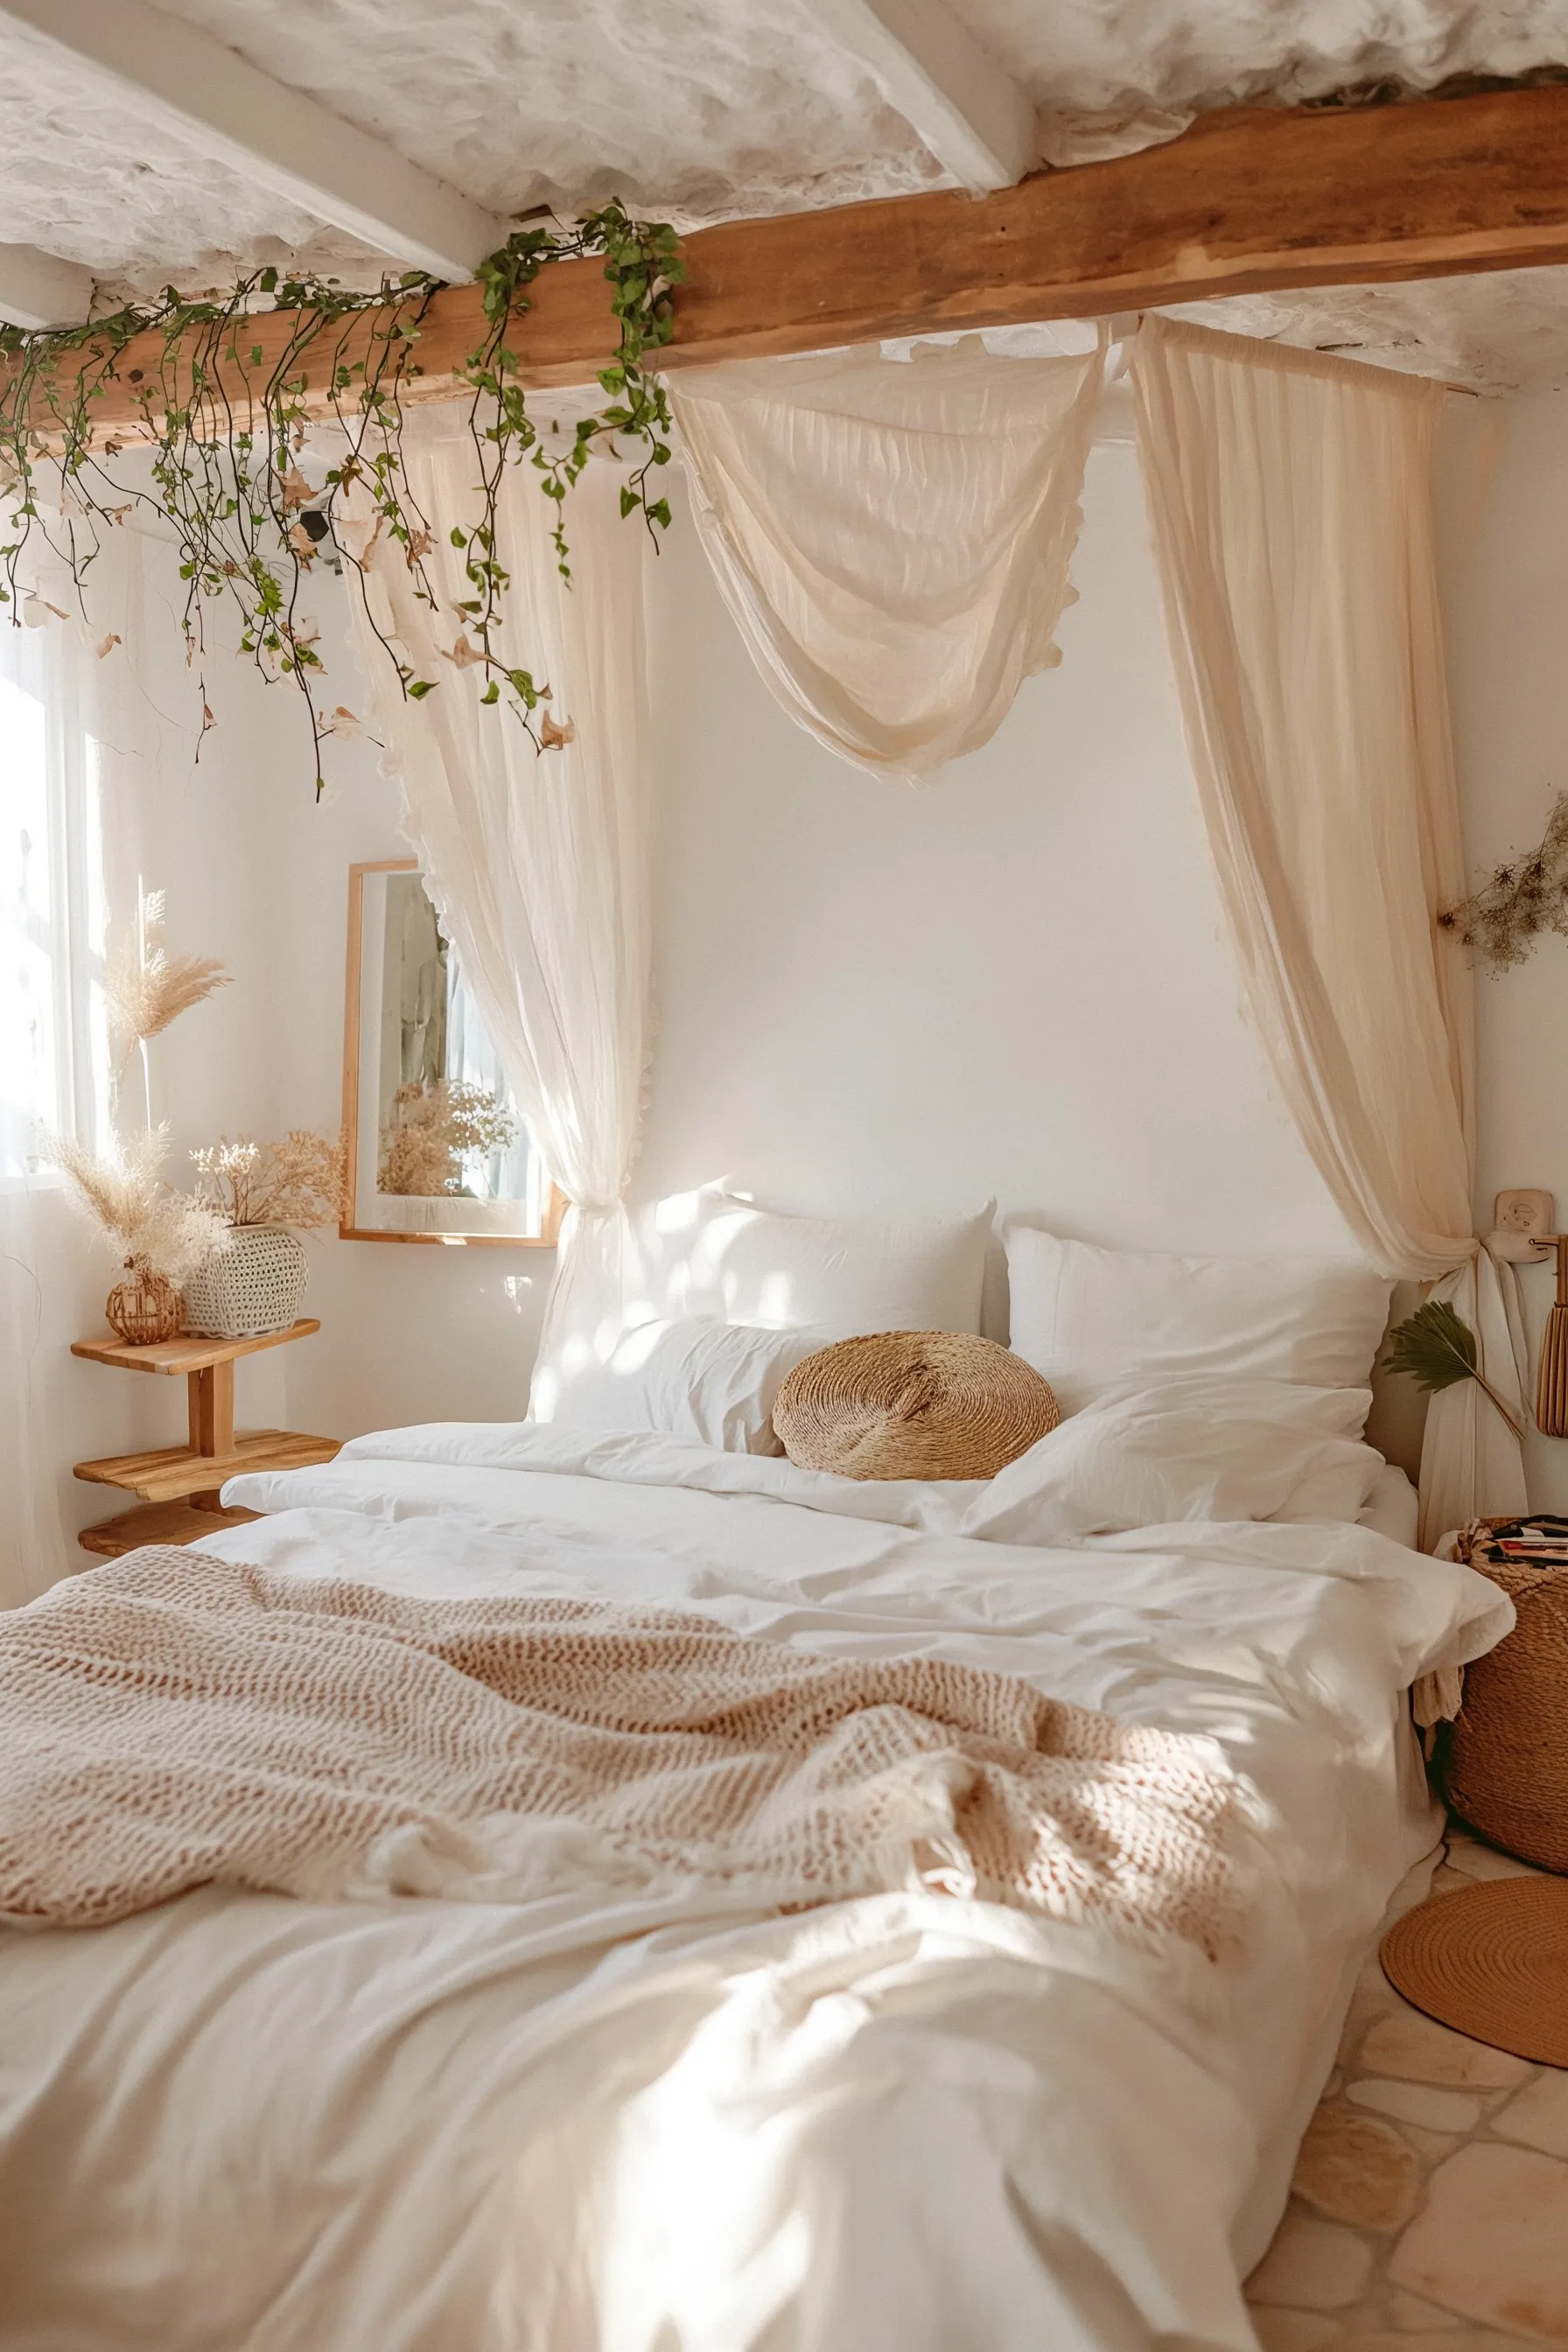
x,y
892,538
536,861
1291,506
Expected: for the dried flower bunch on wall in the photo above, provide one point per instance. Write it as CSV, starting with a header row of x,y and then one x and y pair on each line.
x,y
299,1182
1525,897
435,1129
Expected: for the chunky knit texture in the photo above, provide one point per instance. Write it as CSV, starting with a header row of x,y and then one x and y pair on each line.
x,y
169,1720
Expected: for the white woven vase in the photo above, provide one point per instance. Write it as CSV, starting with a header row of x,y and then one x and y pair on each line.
x,y
252,1287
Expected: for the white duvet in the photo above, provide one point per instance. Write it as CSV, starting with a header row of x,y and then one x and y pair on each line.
x,y
906,2124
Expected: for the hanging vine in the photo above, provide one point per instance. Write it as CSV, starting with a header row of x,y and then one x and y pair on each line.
x,y
225,416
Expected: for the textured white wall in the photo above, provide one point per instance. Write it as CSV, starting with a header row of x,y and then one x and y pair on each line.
x,y
1012,981
1506,607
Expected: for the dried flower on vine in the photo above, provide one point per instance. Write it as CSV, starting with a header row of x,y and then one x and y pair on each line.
x,y
1525,897
434,1130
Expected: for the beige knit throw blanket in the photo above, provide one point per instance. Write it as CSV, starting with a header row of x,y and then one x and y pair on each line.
x,y
169,1720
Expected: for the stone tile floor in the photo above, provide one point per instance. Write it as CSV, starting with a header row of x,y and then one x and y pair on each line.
x,y
1430,2206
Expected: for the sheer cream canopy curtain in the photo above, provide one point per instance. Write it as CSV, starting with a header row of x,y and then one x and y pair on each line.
x,y
538,861
1291,506
892,538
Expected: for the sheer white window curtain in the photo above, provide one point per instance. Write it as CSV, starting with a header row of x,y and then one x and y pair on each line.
x,y
54,1060
1291,505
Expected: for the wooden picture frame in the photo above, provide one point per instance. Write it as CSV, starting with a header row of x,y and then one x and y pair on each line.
x,y
348,1229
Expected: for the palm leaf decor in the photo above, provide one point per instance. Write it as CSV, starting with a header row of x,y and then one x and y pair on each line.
x,y
1437,1346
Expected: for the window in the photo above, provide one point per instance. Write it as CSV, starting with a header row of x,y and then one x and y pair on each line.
x,y
54,1043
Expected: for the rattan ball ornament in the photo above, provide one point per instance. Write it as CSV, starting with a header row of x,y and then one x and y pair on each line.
x,y
912,1404
145,1307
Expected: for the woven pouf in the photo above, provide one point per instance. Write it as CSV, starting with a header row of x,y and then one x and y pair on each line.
x,y
1508,1756
1492,1962
912,1404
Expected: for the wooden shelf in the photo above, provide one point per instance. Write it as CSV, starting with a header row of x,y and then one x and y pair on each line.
x,y
183,1522
186,1354
170,1470
179,1483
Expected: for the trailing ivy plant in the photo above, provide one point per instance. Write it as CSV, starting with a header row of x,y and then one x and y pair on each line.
x,y
225,413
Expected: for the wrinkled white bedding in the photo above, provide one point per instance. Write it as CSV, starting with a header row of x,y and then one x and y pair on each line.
x,y
900,2124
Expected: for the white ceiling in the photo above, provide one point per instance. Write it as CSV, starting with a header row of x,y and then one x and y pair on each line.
x,y
697,109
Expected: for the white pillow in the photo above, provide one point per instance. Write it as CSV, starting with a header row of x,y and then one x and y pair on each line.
x,y
708,1255
1093,1319
712,1384
716,1254
1185,1449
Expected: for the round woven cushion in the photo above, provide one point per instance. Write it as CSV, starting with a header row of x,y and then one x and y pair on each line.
x,y
912,1404
1492,1962
1508,1756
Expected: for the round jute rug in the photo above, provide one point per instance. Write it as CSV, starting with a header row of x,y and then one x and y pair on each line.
x,y
1492,1962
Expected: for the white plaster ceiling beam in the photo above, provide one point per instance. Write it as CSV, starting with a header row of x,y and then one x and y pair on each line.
x,y
954,96
227,110
39,290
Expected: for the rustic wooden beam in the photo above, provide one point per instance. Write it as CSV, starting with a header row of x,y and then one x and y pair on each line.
x,y
1253,201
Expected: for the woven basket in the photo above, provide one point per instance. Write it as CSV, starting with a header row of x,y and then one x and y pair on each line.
x,y
145,1307
1507,1754
912,1404
249,1289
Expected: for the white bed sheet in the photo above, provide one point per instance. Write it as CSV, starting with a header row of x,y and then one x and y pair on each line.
x,y
900,2124
1393,1507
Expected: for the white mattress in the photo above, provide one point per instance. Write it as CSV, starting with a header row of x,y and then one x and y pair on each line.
x,y
901,2125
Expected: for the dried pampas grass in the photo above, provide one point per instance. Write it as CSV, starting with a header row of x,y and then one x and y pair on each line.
x,y
147,987
127,1203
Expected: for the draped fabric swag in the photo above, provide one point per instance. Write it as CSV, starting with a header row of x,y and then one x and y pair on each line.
x,y
1290,499
537,861
892,538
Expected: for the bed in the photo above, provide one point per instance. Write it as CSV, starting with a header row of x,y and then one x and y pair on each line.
x,y
638,2123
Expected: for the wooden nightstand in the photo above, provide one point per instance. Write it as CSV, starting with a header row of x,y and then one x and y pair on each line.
x,y
179,1483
